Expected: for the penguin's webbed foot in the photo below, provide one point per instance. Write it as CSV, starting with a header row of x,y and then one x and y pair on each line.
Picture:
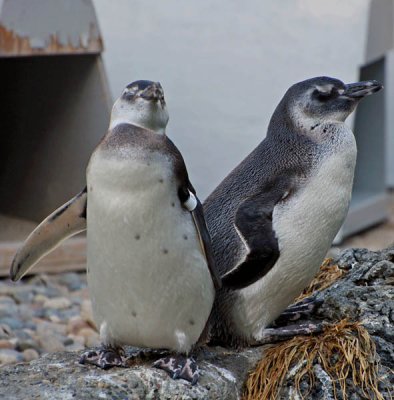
x,y
105,357
179,367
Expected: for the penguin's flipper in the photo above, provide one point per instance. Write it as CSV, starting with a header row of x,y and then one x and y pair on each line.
x,y
192,203
253,222
66,221
205,241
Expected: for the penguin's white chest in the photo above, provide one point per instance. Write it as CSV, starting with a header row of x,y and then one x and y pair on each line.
x,y
148,279
305,226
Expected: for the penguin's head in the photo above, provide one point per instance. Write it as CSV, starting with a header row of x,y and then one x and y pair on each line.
x,y
324,100
142,104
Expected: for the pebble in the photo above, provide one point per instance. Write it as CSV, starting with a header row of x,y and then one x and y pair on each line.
x,y
72,280
12,322
5,331
78,343
75,324
8,356
86,312
58,303
45,313
6,344
91,337
51,343
23,345
30,355
40,298
7,307
75,347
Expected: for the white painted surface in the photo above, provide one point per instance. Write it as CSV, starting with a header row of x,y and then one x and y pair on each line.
x,y
224,65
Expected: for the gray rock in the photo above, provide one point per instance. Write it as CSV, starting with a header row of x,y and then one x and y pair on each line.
x,y
365,293
59,376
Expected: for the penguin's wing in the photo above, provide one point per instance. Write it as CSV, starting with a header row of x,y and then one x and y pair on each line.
x,y
253,223
188,198
66,221
190,201
205,241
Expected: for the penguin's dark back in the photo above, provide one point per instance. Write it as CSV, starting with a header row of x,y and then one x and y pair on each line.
x,y
280,153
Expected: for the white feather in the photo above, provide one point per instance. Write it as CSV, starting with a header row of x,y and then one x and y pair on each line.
x,y
191,202
148,277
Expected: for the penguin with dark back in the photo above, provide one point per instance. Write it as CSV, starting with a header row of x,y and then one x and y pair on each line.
x,y
150,274
274,217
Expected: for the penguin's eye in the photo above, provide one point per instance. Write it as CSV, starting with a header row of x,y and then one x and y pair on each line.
x,y
129,94
324,96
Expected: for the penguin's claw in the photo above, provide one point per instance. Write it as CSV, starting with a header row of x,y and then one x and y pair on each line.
x,y
179,368
273,335
104,358
301,310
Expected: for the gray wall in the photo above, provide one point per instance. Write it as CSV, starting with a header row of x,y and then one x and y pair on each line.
x,y
224,65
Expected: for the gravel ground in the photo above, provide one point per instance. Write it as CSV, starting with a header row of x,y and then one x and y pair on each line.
x,y
44,314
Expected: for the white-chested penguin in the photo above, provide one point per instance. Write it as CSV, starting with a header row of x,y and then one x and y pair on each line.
x,y
274,217
150,275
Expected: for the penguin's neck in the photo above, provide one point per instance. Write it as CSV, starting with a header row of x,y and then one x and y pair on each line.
x,y
293,125
143,118
121,120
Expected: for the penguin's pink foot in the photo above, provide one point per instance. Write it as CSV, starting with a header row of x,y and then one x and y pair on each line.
x,y
105,357
179,368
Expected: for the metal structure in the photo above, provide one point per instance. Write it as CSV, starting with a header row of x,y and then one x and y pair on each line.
x,y
41,27
374,126
55,102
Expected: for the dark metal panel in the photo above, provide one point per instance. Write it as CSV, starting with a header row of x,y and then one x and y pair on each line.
x,y
53,112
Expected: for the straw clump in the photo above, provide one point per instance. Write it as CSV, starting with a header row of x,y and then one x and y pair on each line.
x,y
345,351
327,275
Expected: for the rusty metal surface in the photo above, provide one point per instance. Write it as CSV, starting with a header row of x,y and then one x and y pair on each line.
x,y
45,27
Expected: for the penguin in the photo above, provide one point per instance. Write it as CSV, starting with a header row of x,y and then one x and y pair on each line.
x,y
150,273
274,217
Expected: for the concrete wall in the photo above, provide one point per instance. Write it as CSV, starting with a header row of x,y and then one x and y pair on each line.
x,y
224,65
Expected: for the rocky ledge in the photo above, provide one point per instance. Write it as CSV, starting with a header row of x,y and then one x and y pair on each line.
x,y
364,293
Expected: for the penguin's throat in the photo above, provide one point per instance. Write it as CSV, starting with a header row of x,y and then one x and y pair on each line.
x,y
119,121
143,118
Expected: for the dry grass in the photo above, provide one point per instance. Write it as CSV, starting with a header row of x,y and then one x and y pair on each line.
x,y
328,274
344,350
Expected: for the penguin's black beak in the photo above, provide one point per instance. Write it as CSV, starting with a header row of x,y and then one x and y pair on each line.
x,y
359,90
153,92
